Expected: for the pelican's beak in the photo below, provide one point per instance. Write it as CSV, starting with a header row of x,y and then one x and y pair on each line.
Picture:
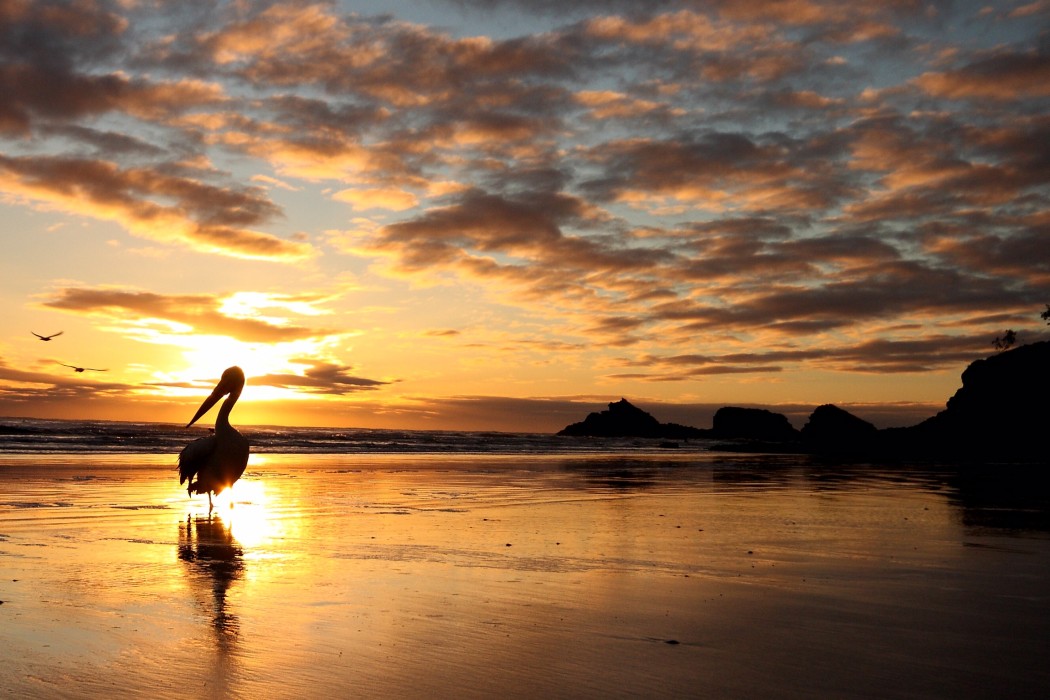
x,y
220,390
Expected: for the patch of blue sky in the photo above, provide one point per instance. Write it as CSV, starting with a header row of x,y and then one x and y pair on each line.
x,y
460,19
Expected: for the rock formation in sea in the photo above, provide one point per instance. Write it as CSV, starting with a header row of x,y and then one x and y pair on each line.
x,y
623,419
832,429
757,424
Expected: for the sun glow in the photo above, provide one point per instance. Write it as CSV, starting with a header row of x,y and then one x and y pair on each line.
x,y
206,356
256,359
249,304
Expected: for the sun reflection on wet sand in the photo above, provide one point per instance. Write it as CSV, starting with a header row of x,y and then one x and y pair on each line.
x,y
214,562
215,559
413,576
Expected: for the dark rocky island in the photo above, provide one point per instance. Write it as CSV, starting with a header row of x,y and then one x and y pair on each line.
x,y
623,419
735,423
1001,413
832,429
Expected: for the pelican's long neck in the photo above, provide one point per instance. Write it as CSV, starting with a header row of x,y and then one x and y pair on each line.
x,y
223,419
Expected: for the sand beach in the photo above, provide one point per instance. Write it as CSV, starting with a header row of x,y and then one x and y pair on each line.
x,y
663,575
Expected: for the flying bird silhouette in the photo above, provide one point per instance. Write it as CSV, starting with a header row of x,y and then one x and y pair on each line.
x,y
46,338
83,369
211,464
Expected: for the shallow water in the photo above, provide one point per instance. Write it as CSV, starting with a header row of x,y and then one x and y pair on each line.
x,y
521,576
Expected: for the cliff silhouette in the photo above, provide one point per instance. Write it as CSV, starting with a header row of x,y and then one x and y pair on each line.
x,y
1001,413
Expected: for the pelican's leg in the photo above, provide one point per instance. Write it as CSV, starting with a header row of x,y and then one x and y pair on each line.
x,y
209,503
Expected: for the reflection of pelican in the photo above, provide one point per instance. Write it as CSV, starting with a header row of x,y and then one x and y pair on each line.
x,y
216,560
219,459
46,338
82,369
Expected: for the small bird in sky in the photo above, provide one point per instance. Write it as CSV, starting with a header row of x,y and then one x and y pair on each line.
x,y
46,338
83,369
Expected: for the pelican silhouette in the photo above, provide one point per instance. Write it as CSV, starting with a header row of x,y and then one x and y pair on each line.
x,y
46,338
213,463
82,369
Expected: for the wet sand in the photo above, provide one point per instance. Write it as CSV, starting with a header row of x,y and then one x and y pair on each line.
x,y
487,576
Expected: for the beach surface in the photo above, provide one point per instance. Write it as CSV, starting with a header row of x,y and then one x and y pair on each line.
x,y
663,575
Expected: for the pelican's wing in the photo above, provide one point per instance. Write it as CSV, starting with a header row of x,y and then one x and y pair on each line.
x,y
69,366
95,369
194,456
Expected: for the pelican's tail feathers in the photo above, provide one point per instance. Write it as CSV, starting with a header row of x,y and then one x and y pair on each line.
x,y
186,471
194,456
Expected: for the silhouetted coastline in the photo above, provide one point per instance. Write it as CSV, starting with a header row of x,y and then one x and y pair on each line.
x,y
999,414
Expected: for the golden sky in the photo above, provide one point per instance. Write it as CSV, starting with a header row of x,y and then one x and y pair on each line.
x,y
502,214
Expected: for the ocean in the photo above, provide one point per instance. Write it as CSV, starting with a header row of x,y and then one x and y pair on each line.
x,y
37,436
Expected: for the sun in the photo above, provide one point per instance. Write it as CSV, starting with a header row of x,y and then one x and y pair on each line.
x,y
206,356
211,354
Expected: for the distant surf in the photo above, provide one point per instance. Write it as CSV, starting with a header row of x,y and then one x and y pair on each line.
x,y
40,436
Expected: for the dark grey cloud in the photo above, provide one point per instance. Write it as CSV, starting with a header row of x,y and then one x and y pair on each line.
x,y
102,143
710,164
1005,73
875,356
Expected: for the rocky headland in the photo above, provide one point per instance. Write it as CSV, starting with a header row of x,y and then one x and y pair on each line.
x,y
1001,413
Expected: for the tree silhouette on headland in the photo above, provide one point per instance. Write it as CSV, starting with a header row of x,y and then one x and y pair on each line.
x,y
1009,337
1005,341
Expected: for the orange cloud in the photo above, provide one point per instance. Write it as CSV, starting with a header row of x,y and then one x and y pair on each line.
x,y
376,198
683,29
607,104
199,313
199,215
278,30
